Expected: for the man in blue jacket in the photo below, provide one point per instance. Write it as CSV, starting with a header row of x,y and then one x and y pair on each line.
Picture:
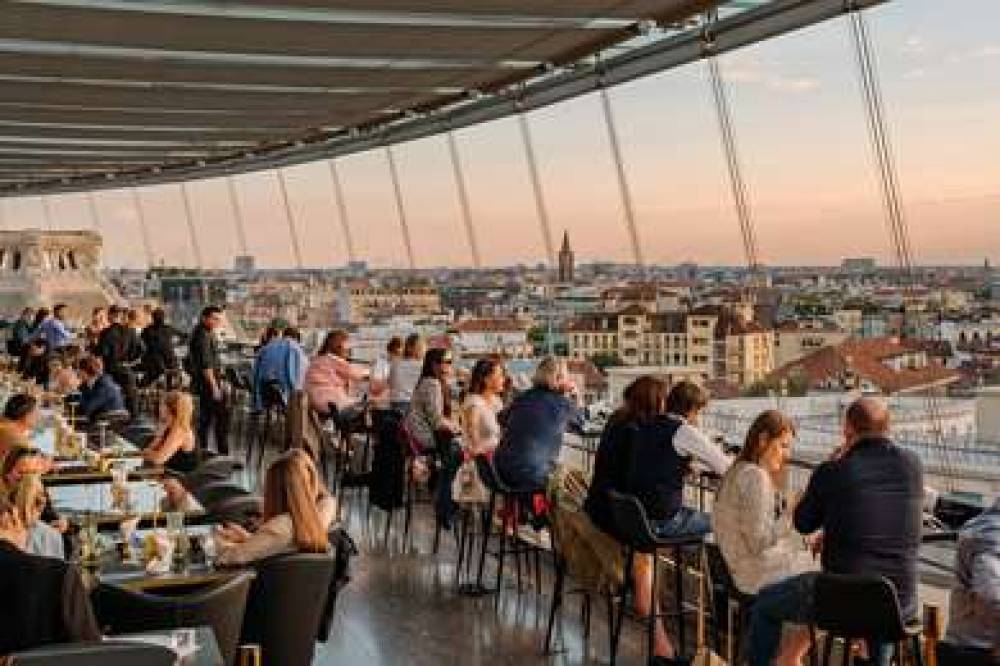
x,y
99,394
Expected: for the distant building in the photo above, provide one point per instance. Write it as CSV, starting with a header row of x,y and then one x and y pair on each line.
x,y
710,342
360,303
887,365
245,264
481,337
43,268
797,339
859,265
566,261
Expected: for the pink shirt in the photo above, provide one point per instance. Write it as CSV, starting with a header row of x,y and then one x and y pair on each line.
x,y
329,379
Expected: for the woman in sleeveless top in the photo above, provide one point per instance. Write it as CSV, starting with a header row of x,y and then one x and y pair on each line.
x,y
173,446
482,406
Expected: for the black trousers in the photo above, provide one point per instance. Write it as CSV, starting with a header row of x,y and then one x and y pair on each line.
x,y
213,416
125,378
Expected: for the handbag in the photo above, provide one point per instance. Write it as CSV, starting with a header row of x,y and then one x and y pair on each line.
x,y
704,655
468,486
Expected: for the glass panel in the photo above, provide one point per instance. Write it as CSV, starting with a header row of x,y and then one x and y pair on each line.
x,y
312,206
268,239
169,238
675,168
120,229
431,200
500,196
803,141
216,233
578,176
372,209
942,93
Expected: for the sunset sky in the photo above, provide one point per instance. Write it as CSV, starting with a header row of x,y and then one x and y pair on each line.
x,y
799,123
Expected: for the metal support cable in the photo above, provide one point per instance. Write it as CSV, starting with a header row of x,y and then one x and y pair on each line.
x,y
741,199
95,218
341,203
400,207
463,199
290,218
140,215
536,186
892,201
628,205
192,231
234,206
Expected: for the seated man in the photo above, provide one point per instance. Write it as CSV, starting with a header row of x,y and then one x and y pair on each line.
x,y
867,500
99,394
281,361
20,418
974,612
45,601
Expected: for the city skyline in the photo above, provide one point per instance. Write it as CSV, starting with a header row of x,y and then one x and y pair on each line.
x,y
802,141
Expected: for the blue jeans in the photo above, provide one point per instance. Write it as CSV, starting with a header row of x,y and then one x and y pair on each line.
x,y
686,522
791,600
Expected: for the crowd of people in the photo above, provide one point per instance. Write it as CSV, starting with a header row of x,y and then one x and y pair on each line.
x,y
860,512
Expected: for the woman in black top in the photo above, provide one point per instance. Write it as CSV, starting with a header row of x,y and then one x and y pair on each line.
x,y
173,446
634,451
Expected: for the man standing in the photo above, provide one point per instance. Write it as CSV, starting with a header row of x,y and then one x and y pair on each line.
x,y
121,349
204,364
864,508
53,330
158,340
21,333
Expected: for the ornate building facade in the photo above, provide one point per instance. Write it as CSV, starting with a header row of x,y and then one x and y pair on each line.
x,y
42,268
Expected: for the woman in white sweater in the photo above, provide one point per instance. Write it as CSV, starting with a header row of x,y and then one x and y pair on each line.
x,y
752,525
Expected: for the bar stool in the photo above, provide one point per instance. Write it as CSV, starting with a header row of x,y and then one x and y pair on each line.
x,y
725,596
853,607
269,423
509,544
637,537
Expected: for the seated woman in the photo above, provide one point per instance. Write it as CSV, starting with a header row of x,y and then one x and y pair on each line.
x,y
298,512
173,446
330,379
45,601
430,416
536,423
404,373
645,451
482,406
752,527
31,500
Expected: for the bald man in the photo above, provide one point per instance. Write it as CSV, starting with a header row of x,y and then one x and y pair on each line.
x,y
865,506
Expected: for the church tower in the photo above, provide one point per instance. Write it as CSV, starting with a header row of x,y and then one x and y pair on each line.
x,y
565,261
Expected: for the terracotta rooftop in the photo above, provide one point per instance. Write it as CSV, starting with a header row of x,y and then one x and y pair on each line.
x,y
866,359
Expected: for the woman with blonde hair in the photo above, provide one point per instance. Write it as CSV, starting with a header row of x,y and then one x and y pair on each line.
x,y
173,446
28,495
297,515
752,524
